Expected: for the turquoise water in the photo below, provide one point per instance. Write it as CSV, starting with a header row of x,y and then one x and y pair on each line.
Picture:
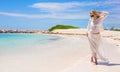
x,y
9,41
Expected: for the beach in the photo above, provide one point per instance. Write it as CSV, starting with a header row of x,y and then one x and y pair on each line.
x,y
70,53
113,37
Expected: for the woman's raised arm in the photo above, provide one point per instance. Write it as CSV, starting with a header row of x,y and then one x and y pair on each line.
x,y
103,14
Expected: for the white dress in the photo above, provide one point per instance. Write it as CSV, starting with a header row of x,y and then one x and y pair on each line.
x,y
95,26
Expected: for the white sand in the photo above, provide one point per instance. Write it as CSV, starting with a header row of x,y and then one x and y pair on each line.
x,y
111,47
69,54
53,57
112,37
84,65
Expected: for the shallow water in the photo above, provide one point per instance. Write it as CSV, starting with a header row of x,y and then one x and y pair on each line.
x,y
10,41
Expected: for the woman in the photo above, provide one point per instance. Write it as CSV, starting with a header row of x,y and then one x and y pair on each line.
x,y
94,29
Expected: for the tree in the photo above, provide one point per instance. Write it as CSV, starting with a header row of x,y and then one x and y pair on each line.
x,y
61,27
112,28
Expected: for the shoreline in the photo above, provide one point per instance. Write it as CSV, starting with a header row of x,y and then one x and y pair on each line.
x,y
112,37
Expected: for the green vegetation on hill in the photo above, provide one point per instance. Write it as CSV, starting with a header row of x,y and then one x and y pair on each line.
x,y
113,29
62,27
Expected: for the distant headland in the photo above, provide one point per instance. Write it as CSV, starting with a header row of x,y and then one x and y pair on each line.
x,y
49,31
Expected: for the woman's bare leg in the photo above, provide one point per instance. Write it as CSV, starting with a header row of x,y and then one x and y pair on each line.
x,y
94,59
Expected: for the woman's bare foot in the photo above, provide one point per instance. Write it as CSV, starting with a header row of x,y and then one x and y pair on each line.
x,y
94,60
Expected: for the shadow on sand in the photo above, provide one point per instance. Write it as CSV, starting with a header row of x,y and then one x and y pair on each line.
x,y
108,64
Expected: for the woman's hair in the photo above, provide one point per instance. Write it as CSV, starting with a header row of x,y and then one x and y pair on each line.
x,y
93,13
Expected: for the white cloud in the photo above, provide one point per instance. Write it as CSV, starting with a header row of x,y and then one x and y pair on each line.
x,y
66,10
56,16
112,2
59,7
70,10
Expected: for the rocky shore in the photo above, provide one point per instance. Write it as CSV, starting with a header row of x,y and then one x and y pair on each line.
x,y
23,31
40,32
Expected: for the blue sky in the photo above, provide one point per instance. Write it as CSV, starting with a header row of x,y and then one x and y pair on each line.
x,y
42,14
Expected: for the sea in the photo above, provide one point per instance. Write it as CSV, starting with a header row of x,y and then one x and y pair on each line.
x,y
17,41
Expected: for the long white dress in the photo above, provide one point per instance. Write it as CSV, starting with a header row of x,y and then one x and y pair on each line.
x,y
95,26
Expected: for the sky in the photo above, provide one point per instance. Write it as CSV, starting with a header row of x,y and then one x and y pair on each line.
x,y
43,14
